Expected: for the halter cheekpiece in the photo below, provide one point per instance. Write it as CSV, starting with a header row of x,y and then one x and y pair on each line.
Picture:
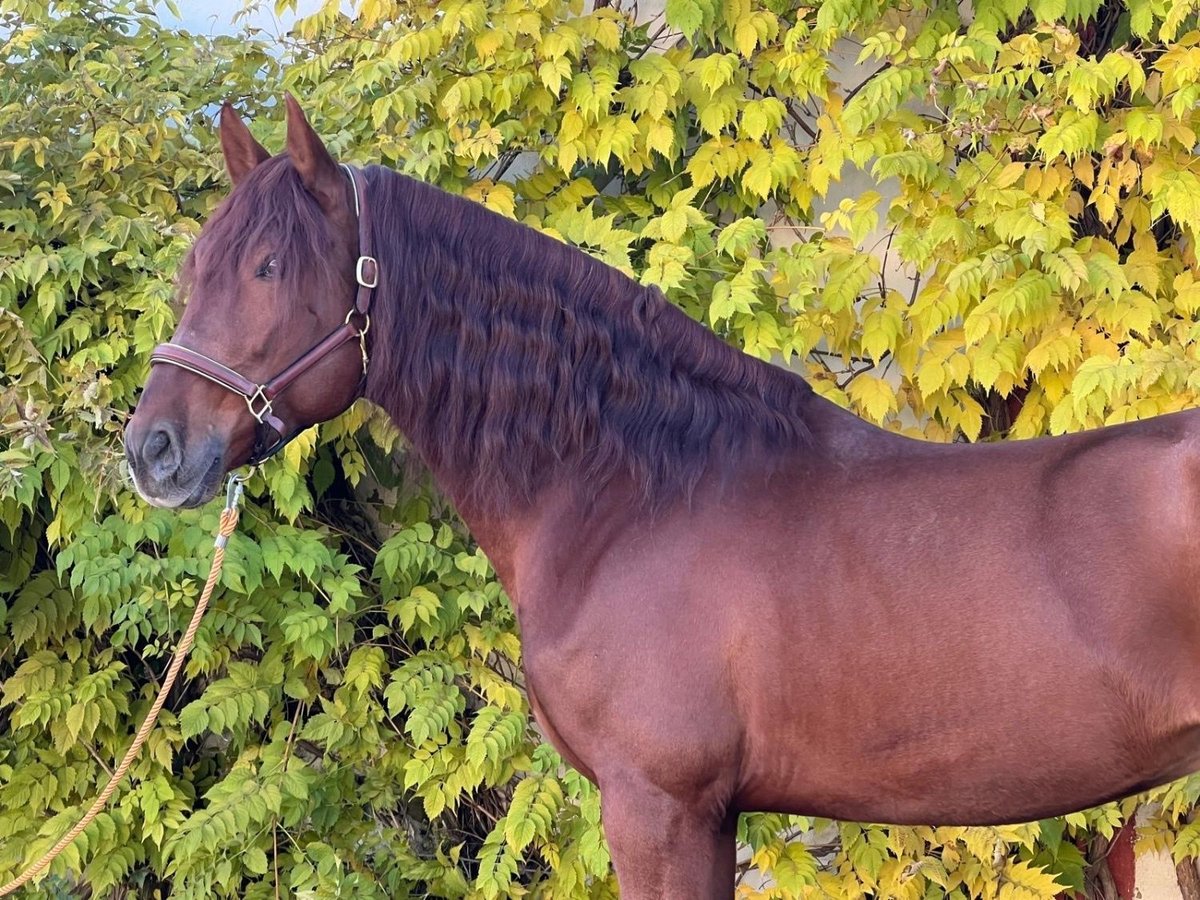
x,y
259,397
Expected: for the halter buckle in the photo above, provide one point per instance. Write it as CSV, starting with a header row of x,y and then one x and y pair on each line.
x,y
258,396
361,274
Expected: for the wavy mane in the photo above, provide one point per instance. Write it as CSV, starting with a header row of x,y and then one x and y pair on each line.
x,y
510,359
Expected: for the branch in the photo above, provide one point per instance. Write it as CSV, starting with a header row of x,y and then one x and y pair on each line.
x,y
862,84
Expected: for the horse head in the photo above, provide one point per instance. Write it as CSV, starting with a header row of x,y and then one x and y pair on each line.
x,y
273,336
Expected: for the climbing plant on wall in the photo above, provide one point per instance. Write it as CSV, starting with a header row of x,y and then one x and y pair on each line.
x,y
965,221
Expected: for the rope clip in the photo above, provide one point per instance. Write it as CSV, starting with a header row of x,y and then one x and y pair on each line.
x,y
233,490
233,496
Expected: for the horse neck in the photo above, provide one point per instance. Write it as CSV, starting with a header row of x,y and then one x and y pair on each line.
x,y
526,373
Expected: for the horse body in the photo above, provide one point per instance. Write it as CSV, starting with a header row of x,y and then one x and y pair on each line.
x,y
732,594
785,663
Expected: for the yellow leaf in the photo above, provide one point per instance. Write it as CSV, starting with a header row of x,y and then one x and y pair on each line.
x,y
1010,173
873,396
930,376
674,223
660,136
746,37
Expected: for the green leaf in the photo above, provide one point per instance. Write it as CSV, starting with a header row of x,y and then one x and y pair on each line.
x,y
193,720
255,861
685,15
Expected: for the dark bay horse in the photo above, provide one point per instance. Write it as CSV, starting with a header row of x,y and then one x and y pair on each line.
x,y
732,594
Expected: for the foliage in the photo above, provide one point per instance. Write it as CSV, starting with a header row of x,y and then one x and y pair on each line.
x,y
1010,253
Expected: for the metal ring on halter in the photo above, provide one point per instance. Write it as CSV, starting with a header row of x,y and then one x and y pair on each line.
x,y
362,336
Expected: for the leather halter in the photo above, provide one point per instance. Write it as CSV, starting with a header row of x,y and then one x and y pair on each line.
x,y
259,397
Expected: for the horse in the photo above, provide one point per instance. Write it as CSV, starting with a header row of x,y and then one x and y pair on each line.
x,y
733,595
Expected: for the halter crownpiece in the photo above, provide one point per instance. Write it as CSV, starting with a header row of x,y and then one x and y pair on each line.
x,y
259,397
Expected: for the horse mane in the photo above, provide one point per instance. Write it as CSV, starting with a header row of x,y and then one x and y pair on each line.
x,y
510,359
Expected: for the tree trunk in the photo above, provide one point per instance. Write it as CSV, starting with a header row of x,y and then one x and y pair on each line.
x,y
1188,877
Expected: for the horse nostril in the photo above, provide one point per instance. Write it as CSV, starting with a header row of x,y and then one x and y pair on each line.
x,y
158,443
162,452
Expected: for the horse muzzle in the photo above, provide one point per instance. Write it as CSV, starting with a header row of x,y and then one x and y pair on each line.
x,y
166,470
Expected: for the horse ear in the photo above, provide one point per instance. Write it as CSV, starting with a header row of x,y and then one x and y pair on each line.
x,y
318,172
242,152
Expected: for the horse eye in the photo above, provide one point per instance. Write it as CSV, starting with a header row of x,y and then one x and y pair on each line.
x,y
268,269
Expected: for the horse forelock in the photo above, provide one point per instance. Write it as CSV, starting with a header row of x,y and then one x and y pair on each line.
x,y
510,359
269,212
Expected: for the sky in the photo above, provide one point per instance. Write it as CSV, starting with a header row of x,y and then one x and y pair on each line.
x,y
216,16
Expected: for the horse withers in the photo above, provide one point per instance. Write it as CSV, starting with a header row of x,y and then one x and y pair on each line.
x,y
732,594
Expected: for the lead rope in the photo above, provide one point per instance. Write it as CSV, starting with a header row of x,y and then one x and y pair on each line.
x,y
229,518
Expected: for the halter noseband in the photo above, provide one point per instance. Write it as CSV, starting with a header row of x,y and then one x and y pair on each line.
x,y
259,397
